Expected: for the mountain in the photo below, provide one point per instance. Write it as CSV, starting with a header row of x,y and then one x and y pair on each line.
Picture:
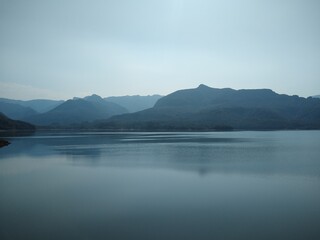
x,y
38,105
316,96
205,108
135,103
78,110
42,105
13,125
16,111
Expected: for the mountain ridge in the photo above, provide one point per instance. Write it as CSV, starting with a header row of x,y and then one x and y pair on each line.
x,y
8,124
38,105
200,108
16,111
78,110
205,108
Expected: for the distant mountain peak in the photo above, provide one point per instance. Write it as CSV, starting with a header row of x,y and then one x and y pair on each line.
x,y
94,98
202,86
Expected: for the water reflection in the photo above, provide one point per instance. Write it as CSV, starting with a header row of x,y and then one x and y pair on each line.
x,y
246,152
236,185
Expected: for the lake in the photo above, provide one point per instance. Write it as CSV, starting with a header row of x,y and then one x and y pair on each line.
x,y
210,185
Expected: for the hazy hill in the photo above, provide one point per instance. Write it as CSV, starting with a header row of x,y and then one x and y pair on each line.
x,y
205,108
16,111
135,103
78,110
13,125
316,96
38,105
42,105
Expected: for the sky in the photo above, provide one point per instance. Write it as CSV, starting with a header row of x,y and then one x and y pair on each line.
x,y
65,48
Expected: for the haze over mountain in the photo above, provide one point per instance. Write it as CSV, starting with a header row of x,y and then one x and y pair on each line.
x,y
205,108
16,111
78,110
13,125
19,110
38,105
46,112
135,103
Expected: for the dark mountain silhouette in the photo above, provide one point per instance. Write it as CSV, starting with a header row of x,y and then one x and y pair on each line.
x,y
135,103
206,108
38,105
16,111
7,124
78,110
316,96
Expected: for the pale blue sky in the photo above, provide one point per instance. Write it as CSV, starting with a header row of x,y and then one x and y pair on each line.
x,y
60,49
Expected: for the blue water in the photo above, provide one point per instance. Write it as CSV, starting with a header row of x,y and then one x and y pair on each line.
x,y
224,185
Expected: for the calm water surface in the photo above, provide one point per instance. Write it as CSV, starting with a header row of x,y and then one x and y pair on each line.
x,y
234,185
